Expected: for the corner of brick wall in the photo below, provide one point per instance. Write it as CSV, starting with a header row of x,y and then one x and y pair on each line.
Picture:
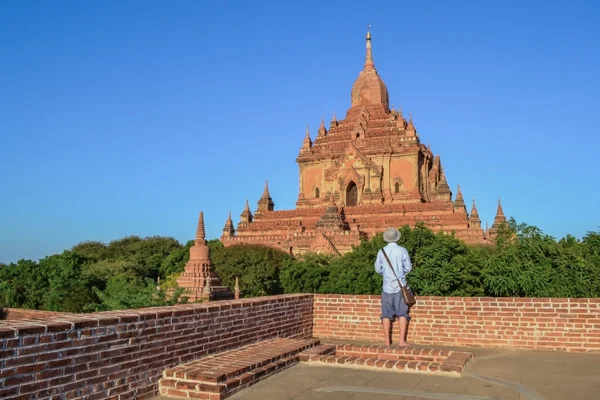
x,y
523,323
122,355
16,314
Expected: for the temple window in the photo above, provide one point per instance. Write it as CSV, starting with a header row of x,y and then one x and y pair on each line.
x,y
397,188
317,193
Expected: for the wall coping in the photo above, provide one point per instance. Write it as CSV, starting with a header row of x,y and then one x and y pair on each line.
x,y
53,324
69,321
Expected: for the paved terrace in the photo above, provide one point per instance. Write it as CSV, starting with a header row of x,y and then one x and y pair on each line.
x,y
501,374
504,348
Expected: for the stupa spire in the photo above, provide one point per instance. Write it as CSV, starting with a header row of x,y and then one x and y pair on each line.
x,y
266,191
474,211
246,216
265,203
499,219
198,278
369,65
474,220
499,211
322,131
200,232
333,121
459,195
307,143
228,229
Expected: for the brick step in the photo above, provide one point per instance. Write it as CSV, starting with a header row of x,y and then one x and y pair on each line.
x,y
392,352
322,349
220,375
395,358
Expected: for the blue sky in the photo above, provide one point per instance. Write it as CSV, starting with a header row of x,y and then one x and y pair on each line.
x,y
129,117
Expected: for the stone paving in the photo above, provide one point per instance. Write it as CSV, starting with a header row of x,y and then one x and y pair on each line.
x,y
492,374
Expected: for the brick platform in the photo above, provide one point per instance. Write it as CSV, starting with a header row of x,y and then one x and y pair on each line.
x,y
221,375
395,358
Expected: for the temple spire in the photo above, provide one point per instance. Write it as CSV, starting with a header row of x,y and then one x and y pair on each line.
x,y
265,203
459,196
499,211
474,220
228,229
246,216
266,191
322,131
200,233
410,127
443,187
333,121
369,65
307,143
198,279
459,202
474,211
499,219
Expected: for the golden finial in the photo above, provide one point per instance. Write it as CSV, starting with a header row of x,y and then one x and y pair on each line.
x,y
369,31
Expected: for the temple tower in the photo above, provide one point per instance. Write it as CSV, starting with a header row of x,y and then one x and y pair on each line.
x,y
198,279
365,172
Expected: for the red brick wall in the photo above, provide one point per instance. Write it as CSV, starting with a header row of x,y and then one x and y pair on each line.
x,y
121,355
13,314
526,323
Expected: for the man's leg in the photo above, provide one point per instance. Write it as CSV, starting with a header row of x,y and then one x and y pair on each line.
x,y
387,312
403,317
403,328
386,330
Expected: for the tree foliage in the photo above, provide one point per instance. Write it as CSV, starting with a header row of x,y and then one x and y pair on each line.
x,y
257,267
96,276
125,273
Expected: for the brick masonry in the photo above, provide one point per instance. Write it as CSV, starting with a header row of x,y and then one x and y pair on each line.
x,y
14,314
121,355
219,376
394,358
524,323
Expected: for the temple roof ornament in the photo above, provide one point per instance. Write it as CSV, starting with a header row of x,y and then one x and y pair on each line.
x,y
369,88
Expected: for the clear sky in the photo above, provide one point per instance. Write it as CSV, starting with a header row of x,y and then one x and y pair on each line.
x,y
129,117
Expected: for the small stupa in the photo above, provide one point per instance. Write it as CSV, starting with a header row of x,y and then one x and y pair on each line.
x,y
199,280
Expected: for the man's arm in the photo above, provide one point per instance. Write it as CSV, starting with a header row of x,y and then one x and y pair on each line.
x,y
379,263
406,264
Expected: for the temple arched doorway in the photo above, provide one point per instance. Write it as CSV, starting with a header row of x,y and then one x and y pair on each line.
x,y
351,195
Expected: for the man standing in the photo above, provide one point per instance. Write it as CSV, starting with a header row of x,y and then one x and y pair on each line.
x,y
392,301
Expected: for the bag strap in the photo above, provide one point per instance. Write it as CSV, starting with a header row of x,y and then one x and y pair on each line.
x,y
390,264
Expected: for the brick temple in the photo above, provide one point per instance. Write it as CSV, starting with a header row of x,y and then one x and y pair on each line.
x,y
364,173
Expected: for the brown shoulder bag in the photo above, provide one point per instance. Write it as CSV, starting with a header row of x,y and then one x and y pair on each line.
x,y
407,293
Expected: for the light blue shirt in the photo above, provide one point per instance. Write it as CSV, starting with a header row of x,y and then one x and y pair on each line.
x,y
400,261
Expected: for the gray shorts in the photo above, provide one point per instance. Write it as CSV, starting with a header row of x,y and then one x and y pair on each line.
x,y
393,305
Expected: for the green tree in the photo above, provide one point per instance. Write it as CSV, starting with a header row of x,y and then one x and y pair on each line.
x,y
257,267
91,250
306,274
175,262
30,282
97,274
9,297
66,289
354,272
128,292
